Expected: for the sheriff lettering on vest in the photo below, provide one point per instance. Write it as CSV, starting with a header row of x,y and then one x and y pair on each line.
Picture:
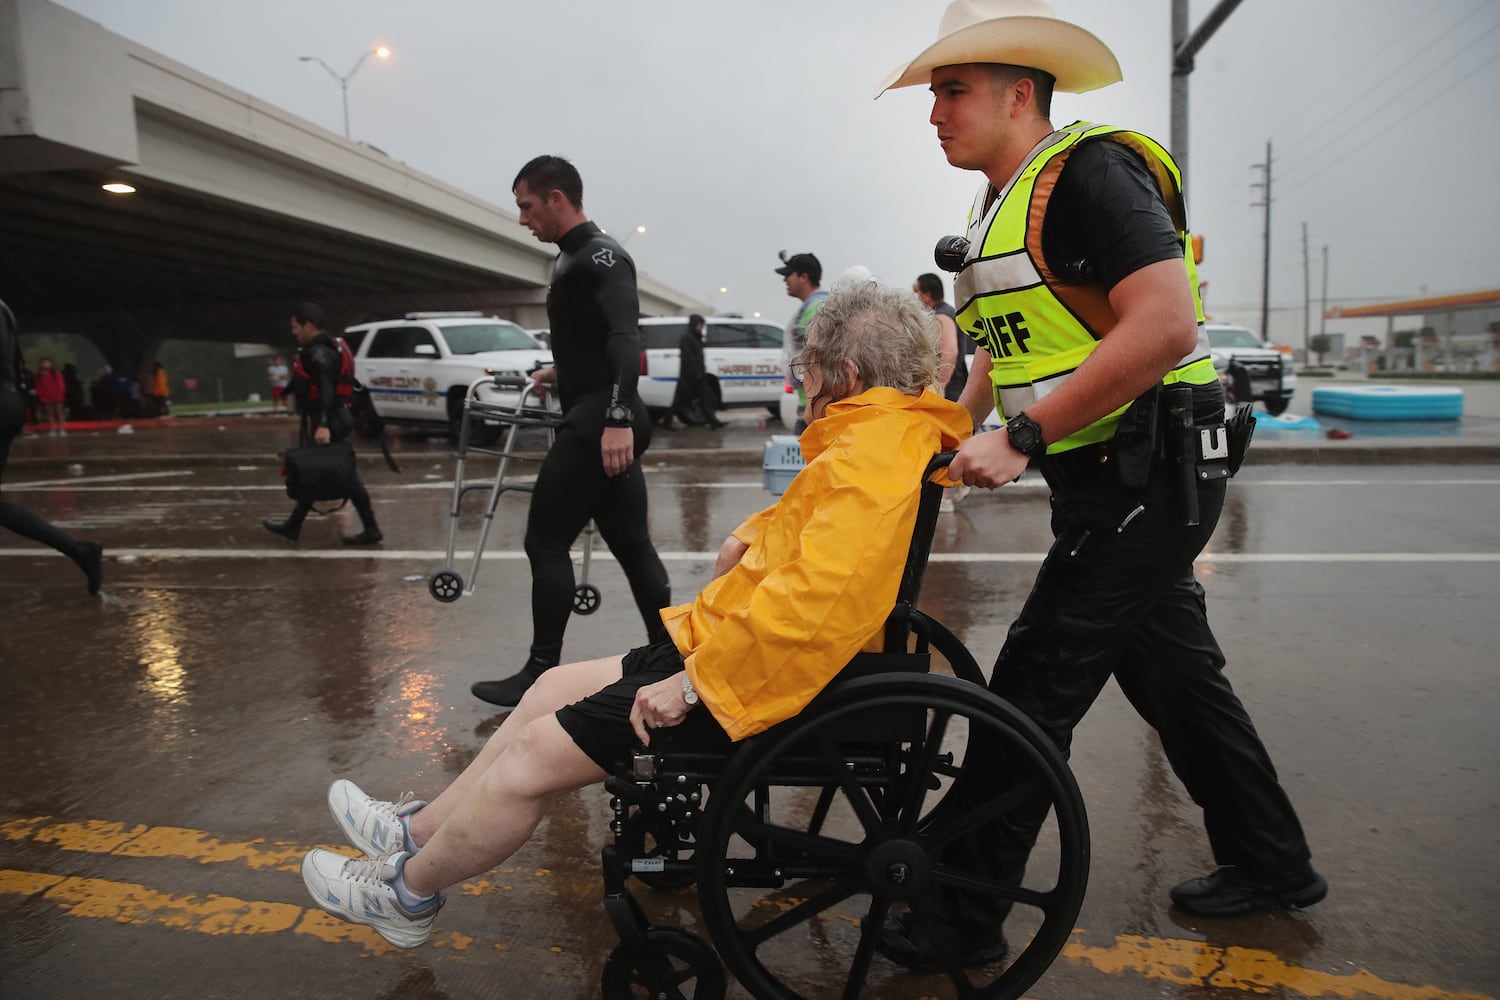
x,y
1079,288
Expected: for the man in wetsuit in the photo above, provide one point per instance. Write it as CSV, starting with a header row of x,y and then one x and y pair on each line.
x,y
593,468
324,400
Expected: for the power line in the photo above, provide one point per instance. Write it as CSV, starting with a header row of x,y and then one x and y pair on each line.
x,y
1346,150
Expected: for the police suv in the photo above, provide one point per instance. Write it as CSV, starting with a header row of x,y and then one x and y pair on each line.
x,y
419,368
1251,370
742,358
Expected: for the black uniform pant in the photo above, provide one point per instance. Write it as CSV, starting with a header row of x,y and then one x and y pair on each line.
x,y
1116,596
358,496
571,488
18,519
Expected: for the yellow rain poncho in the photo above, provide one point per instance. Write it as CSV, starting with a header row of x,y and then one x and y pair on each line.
x,y
821,572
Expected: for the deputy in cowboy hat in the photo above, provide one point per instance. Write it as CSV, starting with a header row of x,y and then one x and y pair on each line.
x,y
1083,297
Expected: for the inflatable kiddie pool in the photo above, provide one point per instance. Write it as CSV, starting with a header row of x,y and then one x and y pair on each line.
x,y
1389,402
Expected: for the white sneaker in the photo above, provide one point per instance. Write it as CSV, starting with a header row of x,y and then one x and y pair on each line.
x,y
371,825
360,891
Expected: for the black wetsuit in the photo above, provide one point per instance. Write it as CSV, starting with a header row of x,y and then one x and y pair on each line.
x,y
593,308
12,418
321,361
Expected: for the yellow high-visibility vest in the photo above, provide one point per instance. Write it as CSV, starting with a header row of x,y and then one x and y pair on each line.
x,y
1039,326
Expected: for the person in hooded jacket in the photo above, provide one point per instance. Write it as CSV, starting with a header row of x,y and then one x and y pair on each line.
x,y
799,588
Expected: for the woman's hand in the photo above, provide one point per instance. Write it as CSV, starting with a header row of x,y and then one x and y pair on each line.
x,y
658,706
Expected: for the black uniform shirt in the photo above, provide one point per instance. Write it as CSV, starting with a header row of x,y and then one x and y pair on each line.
x,y
594,309
1106,218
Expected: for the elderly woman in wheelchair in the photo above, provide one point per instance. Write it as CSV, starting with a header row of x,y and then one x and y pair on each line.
x,y
800,590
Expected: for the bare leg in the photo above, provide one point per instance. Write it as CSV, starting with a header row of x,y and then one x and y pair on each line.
x,y
557,687
503,806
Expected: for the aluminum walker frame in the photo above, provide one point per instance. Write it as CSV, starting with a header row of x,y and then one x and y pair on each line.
x,y
475,435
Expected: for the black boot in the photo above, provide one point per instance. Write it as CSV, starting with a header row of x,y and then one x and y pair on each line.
x,y
90,559
286,529
370,536
507,693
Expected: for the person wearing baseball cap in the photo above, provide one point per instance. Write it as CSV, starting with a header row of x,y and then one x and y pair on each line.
x,y
803,276
1078,285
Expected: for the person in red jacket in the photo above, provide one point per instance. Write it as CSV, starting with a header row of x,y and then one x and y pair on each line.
x,y
51,390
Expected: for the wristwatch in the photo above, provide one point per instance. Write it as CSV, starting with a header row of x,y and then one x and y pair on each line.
x,y
688,694
617,415
1025,436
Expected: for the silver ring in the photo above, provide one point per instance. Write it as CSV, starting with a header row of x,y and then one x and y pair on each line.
x,y
660,724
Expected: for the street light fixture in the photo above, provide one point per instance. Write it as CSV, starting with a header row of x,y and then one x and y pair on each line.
x,y
633,232
379,52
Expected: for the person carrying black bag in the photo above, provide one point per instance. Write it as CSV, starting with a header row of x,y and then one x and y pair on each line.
x,y
324,401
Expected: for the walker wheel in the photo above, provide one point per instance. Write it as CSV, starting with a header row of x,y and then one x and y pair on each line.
x,y
446,585
676,965
585,599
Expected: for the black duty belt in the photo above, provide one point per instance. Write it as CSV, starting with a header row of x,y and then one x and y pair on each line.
x,y
1077,465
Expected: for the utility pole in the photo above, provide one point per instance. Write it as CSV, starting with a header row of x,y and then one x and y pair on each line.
x,y
1306,300
1323,313
1265,272
1184,48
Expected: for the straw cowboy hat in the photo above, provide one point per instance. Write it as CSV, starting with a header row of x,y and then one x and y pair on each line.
x,y
1017,32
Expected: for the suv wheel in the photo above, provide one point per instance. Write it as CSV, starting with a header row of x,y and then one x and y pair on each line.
x,y
1276,404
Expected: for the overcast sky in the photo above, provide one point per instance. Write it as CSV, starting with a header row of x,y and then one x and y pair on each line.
x,y
732,131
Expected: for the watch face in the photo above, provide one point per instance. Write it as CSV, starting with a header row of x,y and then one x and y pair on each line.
x,y
1025,437
617,413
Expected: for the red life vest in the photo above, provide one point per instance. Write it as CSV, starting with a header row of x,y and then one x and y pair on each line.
x,y
343,385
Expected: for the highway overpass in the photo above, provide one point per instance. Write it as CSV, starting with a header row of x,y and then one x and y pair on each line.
x,y
240,209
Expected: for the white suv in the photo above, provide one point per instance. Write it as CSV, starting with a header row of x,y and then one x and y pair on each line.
x,y
1250,369
419,368
742,358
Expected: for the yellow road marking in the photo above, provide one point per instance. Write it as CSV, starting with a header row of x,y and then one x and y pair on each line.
x,y
1193,963
1190,963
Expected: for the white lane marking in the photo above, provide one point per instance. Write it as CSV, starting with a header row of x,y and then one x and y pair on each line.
x,y
84,480
388,555
80,485
72,486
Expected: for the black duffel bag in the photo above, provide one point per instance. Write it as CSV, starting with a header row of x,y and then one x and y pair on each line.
x,y
320,472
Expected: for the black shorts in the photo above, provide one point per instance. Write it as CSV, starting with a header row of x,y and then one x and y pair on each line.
x,y
600,723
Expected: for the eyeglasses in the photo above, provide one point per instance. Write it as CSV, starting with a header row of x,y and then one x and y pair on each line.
x,y
799,368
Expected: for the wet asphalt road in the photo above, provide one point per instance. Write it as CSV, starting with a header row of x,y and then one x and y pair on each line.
x,y
167,746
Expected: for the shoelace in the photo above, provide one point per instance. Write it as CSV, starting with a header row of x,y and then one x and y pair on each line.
x,y
392,810
370,870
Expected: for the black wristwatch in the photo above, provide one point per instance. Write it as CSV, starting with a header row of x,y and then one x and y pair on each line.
x,y
1025,436
617,415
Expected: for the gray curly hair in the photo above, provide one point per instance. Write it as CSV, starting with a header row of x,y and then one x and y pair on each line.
x,y
886,332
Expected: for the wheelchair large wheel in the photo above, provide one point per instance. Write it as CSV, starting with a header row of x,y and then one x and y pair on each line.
x,y
675,966
790,908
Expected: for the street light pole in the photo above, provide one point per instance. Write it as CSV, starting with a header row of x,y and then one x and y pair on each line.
x,y
380,52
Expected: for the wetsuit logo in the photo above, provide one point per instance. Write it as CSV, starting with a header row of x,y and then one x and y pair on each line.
x,y
605,257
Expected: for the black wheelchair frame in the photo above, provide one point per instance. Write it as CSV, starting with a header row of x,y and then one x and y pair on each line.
x,y
877,751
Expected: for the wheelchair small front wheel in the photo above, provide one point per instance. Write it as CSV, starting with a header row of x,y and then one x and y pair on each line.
x,y
586,599
446,585
675,965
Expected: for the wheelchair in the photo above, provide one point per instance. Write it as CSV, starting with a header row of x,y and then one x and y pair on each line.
x,y
802,839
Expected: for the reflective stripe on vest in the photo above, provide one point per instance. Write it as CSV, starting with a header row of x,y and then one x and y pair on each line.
x,y
1034,339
